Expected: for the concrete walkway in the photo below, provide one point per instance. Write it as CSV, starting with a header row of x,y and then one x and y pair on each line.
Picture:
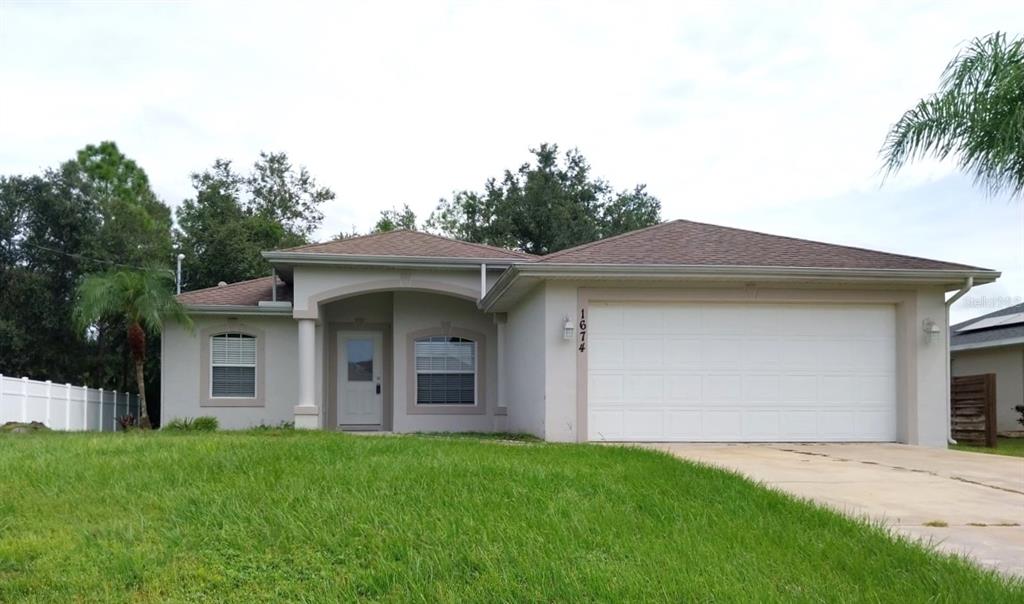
x,y
979,497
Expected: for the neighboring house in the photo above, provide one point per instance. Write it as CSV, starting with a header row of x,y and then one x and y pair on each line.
x,y
679,332
994,343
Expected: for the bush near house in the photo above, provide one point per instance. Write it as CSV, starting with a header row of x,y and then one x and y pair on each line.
x,y
290,515
203,423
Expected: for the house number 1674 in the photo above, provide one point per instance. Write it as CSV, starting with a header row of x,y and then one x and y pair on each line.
x,y
583,329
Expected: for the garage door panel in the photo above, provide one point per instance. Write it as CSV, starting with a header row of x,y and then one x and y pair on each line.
x,y
683,387
644,388
742,372
644,353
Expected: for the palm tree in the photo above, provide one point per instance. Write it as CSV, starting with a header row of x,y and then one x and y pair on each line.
x,y
977,116
140,298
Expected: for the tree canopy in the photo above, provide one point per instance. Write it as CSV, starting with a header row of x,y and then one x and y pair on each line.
x,y
545,206
234,217
395,219
976,116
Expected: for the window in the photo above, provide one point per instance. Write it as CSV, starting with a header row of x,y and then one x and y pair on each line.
x,y
232,366
445,371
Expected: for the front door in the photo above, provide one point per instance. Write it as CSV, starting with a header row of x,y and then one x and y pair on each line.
x,y
360,383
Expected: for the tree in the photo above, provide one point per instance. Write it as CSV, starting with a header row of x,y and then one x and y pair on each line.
x,y
141,299
234,217
394,219
977,116
545,207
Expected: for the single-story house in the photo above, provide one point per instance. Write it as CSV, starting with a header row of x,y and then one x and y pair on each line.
x,y
994,343
678,332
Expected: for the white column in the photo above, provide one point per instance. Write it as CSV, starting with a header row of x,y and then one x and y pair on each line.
x,y
307,415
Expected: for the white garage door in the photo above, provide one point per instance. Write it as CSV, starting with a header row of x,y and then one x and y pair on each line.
x,y
741,372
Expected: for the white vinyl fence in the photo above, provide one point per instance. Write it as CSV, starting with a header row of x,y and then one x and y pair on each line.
x,y
63,406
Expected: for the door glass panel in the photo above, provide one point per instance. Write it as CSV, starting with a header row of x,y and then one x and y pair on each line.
x,y
360,360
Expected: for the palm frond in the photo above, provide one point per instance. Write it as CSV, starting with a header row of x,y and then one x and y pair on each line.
x,y
977,116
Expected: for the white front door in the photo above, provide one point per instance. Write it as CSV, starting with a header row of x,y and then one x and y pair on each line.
x,y
360,383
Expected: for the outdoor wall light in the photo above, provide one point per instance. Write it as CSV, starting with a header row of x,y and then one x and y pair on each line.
x,y
930,328
568,330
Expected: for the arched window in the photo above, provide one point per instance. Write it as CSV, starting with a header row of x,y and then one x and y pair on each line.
x,y
232,366
445,371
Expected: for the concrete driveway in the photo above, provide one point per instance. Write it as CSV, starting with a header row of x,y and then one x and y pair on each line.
x,y
980,497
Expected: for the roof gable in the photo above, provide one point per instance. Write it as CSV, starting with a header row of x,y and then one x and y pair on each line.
x,y
687,243
410,244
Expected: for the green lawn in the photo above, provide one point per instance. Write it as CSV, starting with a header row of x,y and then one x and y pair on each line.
x,y
322,517
1004,446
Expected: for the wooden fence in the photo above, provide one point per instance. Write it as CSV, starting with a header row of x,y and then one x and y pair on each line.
x,y
973,406
63,406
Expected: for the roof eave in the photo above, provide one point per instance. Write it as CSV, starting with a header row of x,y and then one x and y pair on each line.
x,y
307,258
237,309
760,273
987,344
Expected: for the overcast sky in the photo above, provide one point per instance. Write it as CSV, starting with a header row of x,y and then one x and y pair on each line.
x,y
752,115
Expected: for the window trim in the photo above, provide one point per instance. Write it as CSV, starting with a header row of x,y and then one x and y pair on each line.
x,y
479,407
206,398
255,366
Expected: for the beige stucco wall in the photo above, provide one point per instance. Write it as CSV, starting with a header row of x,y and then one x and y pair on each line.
x,y
181,371
1007,362
525,364
415,312
921,360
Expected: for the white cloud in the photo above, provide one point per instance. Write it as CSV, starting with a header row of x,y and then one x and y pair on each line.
x,y
735,112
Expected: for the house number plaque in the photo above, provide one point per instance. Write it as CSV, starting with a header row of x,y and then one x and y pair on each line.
x,y
583,329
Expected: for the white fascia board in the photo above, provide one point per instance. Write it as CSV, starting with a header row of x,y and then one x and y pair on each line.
x,y
237,309
988,344
950,278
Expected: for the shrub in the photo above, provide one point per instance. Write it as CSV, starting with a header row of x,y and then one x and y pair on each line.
x,y
282,425
203,423
127,423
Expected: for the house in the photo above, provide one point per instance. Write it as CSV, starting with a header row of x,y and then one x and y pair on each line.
x,y
994,343
679,332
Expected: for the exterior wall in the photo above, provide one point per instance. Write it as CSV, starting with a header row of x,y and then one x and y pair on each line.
x,y
181,370
525,366
1007,362
416,312
920,359
316,285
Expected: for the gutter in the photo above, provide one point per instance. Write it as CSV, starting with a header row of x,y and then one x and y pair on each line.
x,y
238,309
968,284
987,344
761,273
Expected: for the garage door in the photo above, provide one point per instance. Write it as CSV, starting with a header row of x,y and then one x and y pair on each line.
x,y
741,372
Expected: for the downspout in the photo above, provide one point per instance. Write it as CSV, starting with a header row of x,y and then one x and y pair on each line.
x,y
483,281
968,284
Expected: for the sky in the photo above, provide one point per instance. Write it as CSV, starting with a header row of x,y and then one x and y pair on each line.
x,y
759,115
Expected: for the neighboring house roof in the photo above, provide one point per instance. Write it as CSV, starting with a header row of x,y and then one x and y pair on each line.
x,y
242,293
1000,328
683,242
414,244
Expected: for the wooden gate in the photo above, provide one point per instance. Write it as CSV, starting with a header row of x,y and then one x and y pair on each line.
x,y
974,409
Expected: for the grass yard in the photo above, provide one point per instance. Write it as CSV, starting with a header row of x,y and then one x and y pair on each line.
x,y
323,517
1004,446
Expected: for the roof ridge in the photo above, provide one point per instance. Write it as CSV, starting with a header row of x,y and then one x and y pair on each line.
x,y
473,243
321,243
495,248
842,245
596,241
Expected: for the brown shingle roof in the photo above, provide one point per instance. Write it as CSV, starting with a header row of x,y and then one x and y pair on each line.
x,y
243,293
410,244
683,242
